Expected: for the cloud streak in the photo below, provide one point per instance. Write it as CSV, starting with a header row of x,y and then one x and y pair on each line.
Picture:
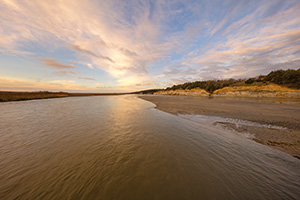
x,y
85,51
55,85
50,62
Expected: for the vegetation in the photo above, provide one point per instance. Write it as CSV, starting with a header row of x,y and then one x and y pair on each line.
x,y
21,96
151,91
210,86
288,78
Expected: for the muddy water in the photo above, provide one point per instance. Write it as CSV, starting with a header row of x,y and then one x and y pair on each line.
x,y
120,147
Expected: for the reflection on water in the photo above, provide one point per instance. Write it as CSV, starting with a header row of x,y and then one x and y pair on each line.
x,y
120,147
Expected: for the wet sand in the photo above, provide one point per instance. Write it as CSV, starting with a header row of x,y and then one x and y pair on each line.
x,y
265,113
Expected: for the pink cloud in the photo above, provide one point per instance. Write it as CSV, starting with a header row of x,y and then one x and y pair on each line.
x,y
50,62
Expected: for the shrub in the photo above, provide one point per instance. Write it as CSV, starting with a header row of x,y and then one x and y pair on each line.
x,y
250,81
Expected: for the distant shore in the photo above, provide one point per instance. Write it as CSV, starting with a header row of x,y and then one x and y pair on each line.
x,y
23,96
286,116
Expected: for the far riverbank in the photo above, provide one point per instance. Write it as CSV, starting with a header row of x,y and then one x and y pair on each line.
x,y
23,96
270,115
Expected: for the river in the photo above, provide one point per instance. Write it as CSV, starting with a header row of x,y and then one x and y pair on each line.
x,y
121,147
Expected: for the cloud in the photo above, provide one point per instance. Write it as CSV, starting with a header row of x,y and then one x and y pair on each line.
x,y
86,78
128,52
121,38
137,42
55,85
64,73
71,73
85,51
50,62
254,44
179,80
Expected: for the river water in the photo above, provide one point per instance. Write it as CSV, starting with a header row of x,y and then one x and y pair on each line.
x,y
121,147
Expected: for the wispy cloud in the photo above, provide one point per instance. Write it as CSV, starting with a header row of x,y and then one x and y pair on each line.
x,y
56,85
120,38
50,62
86,78
64,73
85,51
72,74
265,39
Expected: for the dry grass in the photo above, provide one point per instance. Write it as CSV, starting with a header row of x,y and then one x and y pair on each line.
x,y
191,92
19,96
256,88
198,90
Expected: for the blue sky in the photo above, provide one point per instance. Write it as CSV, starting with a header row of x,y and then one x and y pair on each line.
x,y
121,46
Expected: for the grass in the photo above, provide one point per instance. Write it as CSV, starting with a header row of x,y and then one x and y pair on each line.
x,y
22,96
183,92
256,87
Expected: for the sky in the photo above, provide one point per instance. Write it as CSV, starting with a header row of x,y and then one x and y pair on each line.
x,y
131,45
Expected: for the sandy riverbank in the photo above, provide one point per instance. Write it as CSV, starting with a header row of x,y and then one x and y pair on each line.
x,y
286,116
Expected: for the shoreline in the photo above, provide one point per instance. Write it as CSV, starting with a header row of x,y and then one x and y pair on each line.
x,y
26,96
268,114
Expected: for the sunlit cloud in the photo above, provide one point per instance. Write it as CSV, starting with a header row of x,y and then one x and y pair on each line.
x,y
86,78
50,62
64,73
85,51
56,85
261,41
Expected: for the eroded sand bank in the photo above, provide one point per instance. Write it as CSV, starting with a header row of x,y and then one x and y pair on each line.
x,y
270,115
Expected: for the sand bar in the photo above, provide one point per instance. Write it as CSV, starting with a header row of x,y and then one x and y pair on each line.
x,y
262,112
